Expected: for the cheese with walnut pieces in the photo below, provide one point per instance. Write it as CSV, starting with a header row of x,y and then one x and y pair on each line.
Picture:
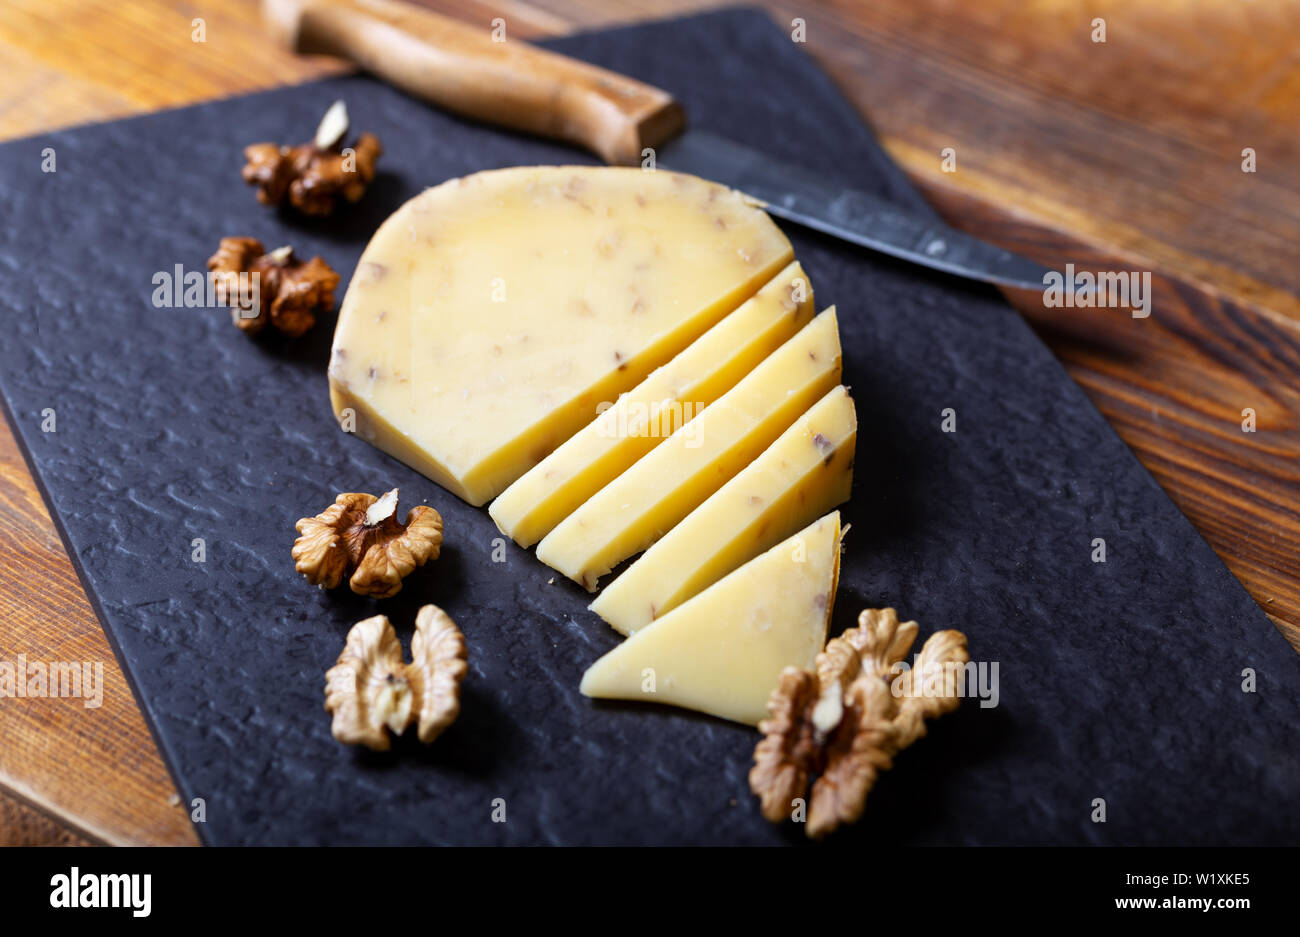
x,y
649,413
489,316
800,477
649,499
723,651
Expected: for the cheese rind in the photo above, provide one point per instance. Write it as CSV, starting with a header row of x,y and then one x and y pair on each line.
x,y
801,476
490,315
650,498
722,651
646,415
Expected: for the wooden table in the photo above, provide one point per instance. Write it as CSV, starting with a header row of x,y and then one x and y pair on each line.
x,y
1118,155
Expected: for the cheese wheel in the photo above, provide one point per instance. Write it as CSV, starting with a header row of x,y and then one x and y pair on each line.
x,y
490,317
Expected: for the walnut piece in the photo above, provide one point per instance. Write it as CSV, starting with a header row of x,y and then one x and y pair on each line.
x,y
437,666
372,693
288,292
845,722
359,536
314,176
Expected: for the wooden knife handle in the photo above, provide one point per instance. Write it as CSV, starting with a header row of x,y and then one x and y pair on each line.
x,y
460,68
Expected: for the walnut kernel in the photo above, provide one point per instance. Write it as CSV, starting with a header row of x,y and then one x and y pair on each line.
x,y
359,536
289,292
437,666
372,693
844,722
314,176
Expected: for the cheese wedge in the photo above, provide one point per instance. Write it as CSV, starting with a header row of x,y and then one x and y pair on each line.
x,y
800,477
490,315
650,498
722,651
646,415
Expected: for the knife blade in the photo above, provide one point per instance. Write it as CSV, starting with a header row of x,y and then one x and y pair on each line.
x,y
482,73
797,195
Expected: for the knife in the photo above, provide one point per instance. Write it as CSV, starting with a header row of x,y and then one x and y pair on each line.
x,y
483,73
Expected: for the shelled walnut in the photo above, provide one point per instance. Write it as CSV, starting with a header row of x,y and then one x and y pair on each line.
x,y
845,722
359,536
314,176
372,692
275,287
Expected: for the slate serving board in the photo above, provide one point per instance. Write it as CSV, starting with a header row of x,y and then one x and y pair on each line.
x,y
1118,680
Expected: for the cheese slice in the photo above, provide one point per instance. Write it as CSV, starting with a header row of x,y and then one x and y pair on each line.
x,y
651,497
490,315
722,651
800,477
646,415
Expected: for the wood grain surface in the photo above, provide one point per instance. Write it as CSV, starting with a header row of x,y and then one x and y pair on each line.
x,y
1125,155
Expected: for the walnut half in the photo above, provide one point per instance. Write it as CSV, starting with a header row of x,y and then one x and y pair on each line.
x,y
371,692
313,177
359,536
845,722
287,294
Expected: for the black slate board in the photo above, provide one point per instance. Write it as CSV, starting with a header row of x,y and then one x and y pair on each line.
x,y
1118,680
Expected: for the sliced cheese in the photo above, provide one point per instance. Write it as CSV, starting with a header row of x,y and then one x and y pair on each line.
x,y
490,315
801,476
651,497
722,651
646,415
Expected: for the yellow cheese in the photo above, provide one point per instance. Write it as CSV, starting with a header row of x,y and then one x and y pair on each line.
x,y
647,500
801,476
490,315
646,415
722,651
